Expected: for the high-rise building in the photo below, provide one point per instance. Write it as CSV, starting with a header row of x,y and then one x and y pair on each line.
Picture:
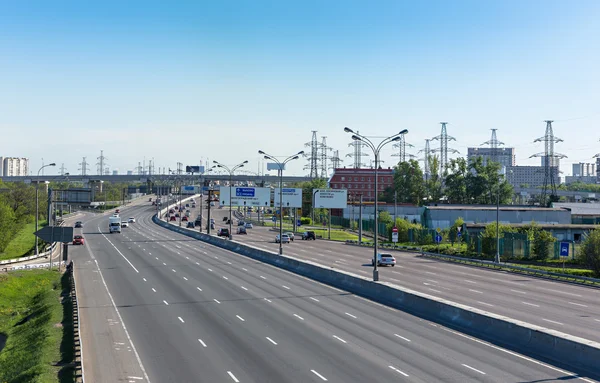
x,y
15,166
1,166
505,156
532,176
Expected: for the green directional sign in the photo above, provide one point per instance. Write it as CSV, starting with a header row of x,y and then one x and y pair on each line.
x,y
52,234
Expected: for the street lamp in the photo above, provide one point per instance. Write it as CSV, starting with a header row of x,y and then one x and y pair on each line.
x,y
37,205
376,150
280,172
230,171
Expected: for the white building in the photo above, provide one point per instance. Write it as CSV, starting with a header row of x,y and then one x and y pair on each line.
x,y
532,176
14,166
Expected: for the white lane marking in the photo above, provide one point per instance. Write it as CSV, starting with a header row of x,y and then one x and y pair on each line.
x,y
187,257
174,270
576,304
118,251
209,269
350,315
244,288
468,281
298,316
515,354
485,304
202,342
530,304
285,287
319,375
431,280
240,318
551,321
199,289
563,292
135,377
476,291
244,269
474,369
229,262
156,258
144,279
271,340
233,377
263,277
177,246
149,253
597,320
185,278
217,301
315,299
401,337
153,289
197,263
180,319
398,371
164,264
137,356
429,272
435,291
518,291
340,339
167,303
268,300
224,277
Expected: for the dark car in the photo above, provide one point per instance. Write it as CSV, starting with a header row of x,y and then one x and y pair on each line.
x,y
191,225
173,218
225,219
171,211
78,240
177,215
184,218
241,223
198,222
223,233
309,235
78,224
241,230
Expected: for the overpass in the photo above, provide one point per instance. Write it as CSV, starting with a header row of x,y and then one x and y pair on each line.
x,y
157,178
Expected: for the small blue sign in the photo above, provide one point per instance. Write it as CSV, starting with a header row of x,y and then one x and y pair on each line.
x,y
298,223
288,190
244,192
459,234
564,249
274,219
438,238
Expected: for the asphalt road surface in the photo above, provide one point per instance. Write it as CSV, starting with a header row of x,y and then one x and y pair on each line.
x,y
159,306
560,306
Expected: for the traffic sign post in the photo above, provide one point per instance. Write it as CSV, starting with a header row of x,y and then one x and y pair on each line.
x,y
395,235
564,252
438,239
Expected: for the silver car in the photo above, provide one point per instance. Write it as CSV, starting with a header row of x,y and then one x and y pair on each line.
x,y
384,259
284,238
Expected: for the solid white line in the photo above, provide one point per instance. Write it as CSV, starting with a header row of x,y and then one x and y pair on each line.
x,y
233,377
202,343
137,356
350,315
576,304
401,337
167,303
398,371
199,288
319,375
185,278
180,319
340,339
474,369
551,321
315,299
240,318
435,291
244,288
285,287
272,341
217,301
153,289
530,304
485,304
468,281
298,316
476,291
118,251
244,269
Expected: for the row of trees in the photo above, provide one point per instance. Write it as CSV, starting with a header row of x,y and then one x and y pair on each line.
x,y
17,208
463,183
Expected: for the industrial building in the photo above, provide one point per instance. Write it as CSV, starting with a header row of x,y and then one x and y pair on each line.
x,y
533,176
361,181
14,166
504,156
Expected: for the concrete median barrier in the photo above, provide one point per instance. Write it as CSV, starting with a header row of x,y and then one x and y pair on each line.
x,y
573,353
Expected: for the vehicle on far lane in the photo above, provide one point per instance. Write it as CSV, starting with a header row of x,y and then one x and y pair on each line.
x,y
184,218
290,234
190,225
124,224
78,240
284,238
131,220
384,259
309,235
78,224
223,232
249,225
172,218
241,230
241,223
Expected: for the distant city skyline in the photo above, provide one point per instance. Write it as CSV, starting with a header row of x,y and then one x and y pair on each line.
x,y
181,82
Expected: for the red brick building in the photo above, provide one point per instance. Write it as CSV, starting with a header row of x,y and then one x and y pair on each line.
x,y
361,181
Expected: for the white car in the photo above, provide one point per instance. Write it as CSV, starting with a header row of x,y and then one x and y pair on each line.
x,y
124,224
131,220
290,234
284,238
249,225
384,259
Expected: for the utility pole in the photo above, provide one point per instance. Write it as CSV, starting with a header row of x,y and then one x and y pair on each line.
x,y
550,161
444,149
360,219
83,167
313,159
101,163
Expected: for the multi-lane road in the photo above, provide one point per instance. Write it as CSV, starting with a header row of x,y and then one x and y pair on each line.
x,y
158,306
564,307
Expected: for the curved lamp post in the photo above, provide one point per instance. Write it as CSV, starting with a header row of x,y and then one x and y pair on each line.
x,y
37,205
230,171
376,150
280,171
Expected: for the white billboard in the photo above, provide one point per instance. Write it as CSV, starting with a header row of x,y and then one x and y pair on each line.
x,y
245,196
330,198
292,197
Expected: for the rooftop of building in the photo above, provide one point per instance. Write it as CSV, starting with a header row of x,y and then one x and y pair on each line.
x,y
579,208
493,207
545,226
361,170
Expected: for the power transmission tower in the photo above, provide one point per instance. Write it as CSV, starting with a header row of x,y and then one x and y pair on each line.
x,y
323,149
83,167
357,153
494,143
335,160
140,169
106,171
444,149
426,158
62,169
401,145
150,166
313,159
101,163
550,161
179,168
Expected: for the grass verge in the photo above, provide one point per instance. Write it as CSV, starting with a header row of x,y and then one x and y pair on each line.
x,y
38,328
23,243
336,235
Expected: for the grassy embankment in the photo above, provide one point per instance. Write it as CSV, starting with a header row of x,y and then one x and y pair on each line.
x,y
37,328
23,243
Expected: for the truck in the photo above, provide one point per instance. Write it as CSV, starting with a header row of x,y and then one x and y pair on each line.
x,y
114,224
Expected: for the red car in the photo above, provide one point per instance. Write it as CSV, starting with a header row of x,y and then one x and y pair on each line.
x,y
173,218
117,211
184,218
78,240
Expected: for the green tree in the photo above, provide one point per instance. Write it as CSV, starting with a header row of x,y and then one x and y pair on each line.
x,y
433,186
408,182
7,225
589,252
456,181
307,196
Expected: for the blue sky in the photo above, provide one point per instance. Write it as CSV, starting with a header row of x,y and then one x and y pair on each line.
x,y
187,81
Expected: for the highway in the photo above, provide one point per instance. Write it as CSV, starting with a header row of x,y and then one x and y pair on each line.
x,y
158,306
560,306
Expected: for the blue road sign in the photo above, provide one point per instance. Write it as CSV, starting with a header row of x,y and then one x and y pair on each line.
x,y
244,192
459,234
298,223
564,249
274,219
438,238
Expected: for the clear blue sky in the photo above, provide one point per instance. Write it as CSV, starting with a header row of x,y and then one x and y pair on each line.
x,y
186,81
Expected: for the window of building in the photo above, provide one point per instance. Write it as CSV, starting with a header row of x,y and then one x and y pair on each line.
x,y
355,178
362,178
343,186
343,178
349,186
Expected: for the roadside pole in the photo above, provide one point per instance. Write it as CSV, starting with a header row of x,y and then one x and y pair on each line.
x,y
360,220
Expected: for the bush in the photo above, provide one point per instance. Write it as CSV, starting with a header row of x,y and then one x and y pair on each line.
x,y
542,244
488,237
305,221
589,252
